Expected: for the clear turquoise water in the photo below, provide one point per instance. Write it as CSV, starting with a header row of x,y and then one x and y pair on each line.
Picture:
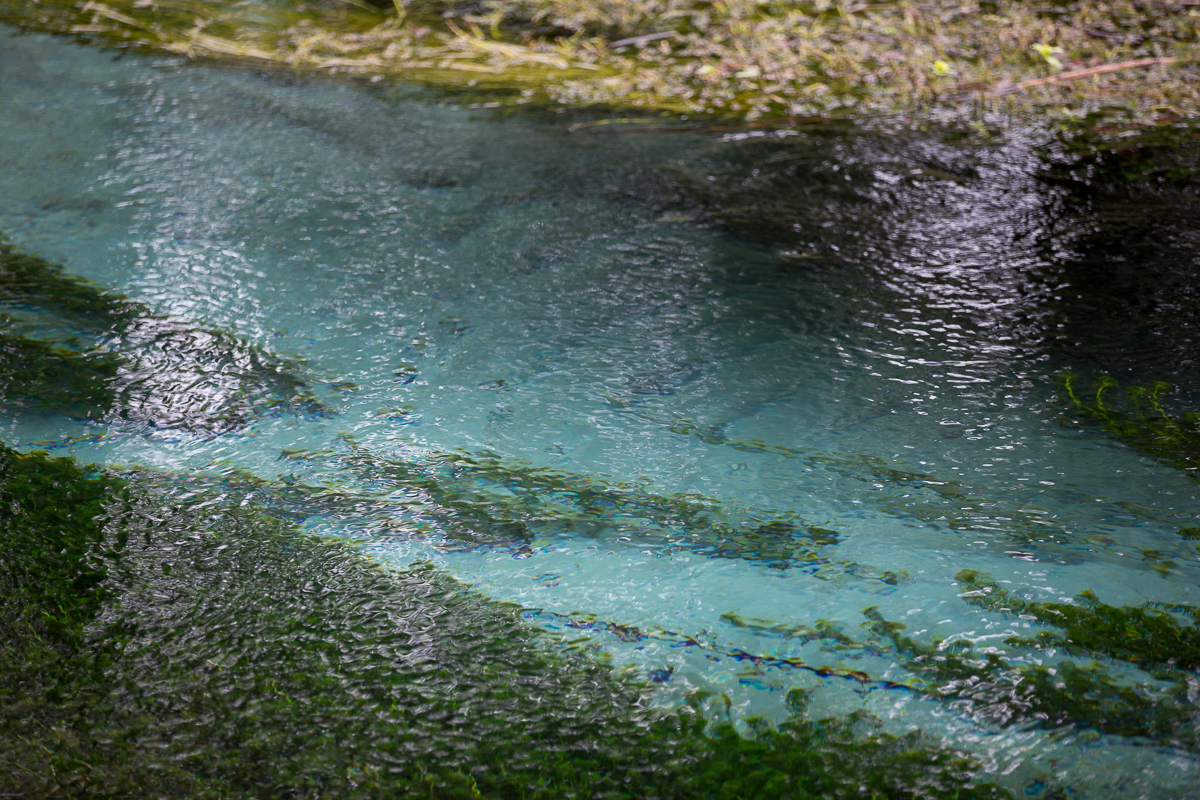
x,y
555,296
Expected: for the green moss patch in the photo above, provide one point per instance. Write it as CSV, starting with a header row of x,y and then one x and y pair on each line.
x,y
1063,694
1098,694
38,373
481,499
28,280
50,575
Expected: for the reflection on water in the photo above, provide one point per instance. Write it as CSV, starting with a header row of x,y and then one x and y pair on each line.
x,y
702,397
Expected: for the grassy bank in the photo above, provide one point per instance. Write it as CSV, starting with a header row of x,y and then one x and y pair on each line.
x,y
1130,61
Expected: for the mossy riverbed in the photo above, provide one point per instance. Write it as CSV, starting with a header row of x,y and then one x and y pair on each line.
x,y
198,650
204,647
201,648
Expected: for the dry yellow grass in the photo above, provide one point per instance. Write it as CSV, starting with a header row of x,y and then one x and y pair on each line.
x,y
1135,60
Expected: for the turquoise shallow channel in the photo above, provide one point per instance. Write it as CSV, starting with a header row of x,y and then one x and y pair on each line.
x,y
772,428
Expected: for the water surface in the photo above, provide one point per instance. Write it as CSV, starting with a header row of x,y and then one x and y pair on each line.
x,y
843,347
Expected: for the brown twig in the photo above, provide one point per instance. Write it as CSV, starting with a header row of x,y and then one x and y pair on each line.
x,y
774,122
1079,74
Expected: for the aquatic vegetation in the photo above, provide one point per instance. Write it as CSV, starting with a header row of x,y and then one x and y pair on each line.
x,y
741,58
28,280
1136,416
1152,636
482,498
465,500
204,650
823,630
462,501
137,362
55,378
801,759
1008,692
50,576
833,639
956,505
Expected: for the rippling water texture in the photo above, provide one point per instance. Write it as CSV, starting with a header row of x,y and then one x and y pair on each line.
x,y
694,395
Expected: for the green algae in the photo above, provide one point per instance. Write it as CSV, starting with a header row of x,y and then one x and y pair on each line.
x,y
208,651
465,500
1136,416
821,631
56,378
1152,636
50,580
131,362
31,281
485,499
1011,692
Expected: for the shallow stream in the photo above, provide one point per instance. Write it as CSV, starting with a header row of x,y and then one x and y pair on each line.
x,y
591,373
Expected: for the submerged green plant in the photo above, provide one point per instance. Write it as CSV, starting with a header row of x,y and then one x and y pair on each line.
x,y
482,498
50,575
199,650
55,378
136,360
465,500
1151,636
1008,692
1136,416
30,281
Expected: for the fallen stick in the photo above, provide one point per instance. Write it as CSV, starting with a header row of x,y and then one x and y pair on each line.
x,y
1001,89
641,40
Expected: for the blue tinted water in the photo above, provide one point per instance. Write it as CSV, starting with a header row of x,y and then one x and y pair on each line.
x,y
544,293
